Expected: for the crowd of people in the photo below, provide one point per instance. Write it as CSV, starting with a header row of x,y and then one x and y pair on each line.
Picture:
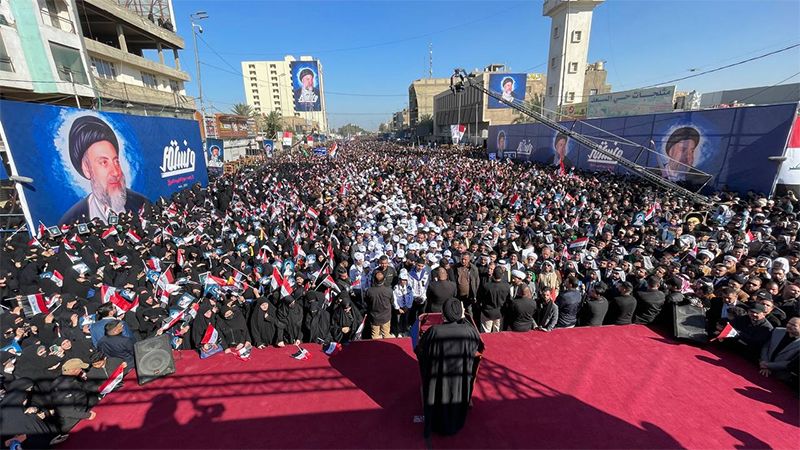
x,y
322,250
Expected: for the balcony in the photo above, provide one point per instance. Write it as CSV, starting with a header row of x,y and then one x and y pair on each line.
x,y
111,89
116,55
56,21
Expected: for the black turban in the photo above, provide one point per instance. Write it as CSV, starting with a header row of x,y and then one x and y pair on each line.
x,y
85,132
452,310
305,72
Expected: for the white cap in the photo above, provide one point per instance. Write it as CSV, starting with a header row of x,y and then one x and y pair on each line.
x,y
358,256
518,274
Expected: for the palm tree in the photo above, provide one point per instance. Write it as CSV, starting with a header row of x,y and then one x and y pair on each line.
x,y
535,104
242,109
271,123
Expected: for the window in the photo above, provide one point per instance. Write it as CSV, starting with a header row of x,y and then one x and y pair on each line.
x,y
252,72
253,84
553,62
274,91
255,97
576,36
5,60
104,69
555,32
149,80
276,97
68,64
573,67
251,66
175,86
272,66
569,97
592,91
274,79
252,78
550,90
257,103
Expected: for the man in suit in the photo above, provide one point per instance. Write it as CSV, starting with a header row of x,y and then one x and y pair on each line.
x,y
622,306
649,302
725,306
94,152
439,291
568,301
596,306
521,311
492,296
782,348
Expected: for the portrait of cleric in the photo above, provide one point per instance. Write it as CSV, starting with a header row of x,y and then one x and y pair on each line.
x,y
501,143
307,95
561,150
94,152
682,151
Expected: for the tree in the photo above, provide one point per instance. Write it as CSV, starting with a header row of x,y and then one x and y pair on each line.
x,y
534,104
350,130
271,123
242,109
425,125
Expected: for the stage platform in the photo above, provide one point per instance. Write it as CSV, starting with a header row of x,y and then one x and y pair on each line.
x,y
608,387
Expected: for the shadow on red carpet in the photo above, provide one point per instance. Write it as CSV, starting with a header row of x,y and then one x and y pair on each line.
x,y
618,387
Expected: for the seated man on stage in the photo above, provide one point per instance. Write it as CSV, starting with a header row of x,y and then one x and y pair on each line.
x,y
448,357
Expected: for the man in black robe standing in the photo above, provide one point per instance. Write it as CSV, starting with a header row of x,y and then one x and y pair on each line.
x,y
448,357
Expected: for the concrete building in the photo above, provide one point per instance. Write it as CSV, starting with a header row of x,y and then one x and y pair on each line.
x,y
570,27
594,82
133,48
420,97
470,108
762,95
268,88
42,57
400,120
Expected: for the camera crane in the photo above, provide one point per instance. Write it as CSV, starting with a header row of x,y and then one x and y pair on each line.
x,y
460,81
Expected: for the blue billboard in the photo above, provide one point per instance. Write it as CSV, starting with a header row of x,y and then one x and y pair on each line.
x,y
511,86
305,85
269,146
733,145
87,164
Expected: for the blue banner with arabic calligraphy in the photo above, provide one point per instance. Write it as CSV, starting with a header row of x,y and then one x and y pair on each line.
x,y
86,164
734,145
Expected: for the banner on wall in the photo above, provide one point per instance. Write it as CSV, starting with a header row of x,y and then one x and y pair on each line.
x,y
87,164
789,173
305,85
734,145
215,156
511,86
633,102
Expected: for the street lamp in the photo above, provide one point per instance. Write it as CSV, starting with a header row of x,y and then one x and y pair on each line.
x,y
199,15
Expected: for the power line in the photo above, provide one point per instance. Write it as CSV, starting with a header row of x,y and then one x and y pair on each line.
x,y
727,66
769,87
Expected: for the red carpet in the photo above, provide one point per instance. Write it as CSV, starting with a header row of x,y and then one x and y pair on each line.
x,y
611,387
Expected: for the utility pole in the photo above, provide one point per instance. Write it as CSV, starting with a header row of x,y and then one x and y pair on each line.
x,y
199,15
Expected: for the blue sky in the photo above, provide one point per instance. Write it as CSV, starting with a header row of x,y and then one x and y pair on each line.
x,y
376,48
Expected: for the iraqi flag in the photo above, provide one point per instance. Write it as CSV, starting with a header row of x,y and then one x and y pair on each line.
x,y
313,213
279,282
114,296
579,243
513,200
565,253
210,336
35,304
331,348
651,211
181,258
749,237
154,264
360,330
727,332
111,231
67,245
301,354
41,231
344,190
297,251
53,276
133,236
328,281
332,151
113,380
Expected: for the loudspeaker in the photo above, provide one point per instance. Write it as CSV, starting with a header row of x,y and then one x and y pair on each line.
x,y
153,359
690,323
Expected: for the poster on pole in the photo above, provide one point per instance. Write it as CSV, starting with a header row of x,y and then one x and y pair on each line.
x,y
511,86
